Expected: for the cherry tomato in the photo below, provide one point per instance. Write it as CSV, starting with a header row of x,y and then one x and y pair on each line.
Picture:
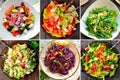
x,y
23,65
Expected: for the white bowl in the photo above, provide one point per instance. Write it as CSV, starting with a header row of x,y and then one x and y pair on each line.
x,y
100,3
6,35
57,75
118,1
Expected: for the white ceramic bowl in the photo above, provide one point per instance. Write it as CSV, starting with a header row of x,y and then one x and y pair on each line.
x,y
100,3
57,75
6,35
118,1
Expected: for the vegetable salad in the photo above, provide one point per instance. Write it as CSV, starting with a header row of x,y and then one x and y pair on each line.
x,y
59,58
18,19
99,61
101,22
58,20
20,61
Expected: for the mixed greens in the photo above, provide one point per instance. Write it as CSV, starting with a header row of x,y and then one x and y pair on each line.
x,y
59,58
99,61
101,22
18,19
20,61
59,20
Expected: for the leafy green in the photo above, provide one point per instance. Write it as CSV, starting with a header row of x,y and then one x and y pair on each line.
x,y
43,76
101,22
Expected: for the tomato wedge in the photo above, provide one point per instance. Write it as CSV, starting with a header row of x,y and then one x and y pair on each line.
x,y
100,49
9,10
6,24
15,33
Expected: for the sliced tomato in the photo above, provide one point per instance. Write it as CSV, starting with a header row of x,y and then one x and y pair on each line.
x,y
107,67
27,9
9,10
27,19
101,48
15,33
48,8
6,24
52,20
73,23
55,2
87,58
60,19
70,31
55,31
99,51
94,68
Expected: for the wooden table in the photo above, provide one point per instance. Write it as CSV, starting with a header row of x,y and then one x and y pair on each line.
x,y
35,75
85,6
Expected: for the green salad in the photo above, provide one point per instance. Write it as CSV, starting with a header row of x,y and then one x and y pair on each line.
x,y
20,61
101,22
99,61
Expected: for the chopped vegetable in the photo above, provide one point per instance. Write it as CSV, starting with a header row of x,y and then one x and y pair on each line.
x,y
18,19
57,21
99,61
102,22
20,61
59,58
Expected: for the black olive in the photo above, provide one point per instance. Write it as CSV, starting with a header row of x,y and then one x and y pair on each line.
x,y
16,7
26,26
10,28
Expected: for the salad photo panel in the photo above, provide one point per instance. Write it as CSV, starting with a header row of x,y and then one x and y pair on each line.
x,y
100,60
60,59
19,20
100,20
19,60
60,19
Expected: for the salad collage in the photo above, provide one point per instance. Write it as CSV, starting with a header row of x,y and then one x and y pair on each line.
x,y
59,39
